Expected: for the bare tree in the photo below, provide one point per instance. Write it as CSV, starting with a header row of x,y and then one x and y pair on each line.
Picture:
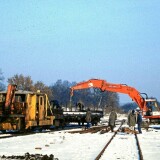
x,y
26,83
22,82
43,88
2,86
129,106
61,92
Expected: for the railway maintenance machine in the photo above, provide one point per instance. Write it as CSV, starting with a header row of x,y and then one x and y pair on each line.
x,y
23,110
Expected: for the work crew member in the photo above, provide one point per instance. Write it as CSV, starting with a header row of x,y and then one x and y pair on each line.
x,y
132,120
149,112
139,121
88,117
112,119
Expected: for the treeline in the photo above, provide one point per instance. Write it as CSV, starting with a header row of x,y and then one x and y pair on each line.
x,y
2,86
60,90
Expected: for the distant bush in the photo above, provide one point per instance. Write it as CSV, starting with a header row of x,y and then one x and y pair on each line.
x,y
129,106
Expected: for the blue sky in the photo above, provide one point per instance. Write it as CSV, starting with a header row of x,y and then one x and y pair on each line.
x,y
77,40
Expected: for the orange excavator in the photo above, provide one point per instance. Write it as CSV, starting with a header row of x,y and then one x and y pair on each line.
x,y
148,106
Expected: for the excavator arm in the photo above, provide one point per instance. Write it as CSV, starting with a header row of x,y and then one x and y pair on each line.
x,y
144,103
105,86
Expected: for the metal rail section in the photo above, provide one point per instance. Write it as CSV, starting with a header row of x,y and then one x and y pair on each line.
x,y
101,153
31,132
93,129
137,142
139,148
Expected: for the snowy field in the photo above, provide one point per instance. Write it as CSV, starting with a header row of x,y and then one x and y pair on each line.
x,y
67,146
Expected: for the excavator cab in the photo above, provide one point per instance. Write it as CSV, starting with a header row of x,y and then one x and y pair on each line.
x,y
152,110
152,106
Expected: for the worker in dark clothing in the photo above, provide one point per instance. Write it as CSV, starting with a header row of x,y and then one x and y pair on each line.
x,y
112,119
80,106
149,112
139,121
132,120
88,117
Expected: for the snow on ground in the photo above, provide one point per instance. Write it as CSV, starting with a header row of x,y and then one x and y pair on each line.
x,y
122,147
67,146
62,145
150,144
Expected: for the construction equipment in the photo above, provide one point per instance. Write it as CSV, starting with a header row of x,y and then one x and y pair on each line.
x,y
145,104
22,110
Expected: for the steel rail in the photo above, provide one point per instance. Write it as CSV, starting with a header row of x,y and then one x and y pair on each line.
x,y
139,148
102,151
31,132
137,142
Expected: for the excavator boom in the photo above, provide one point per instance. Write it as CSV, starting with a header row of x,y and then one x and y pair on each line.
x,y
103,85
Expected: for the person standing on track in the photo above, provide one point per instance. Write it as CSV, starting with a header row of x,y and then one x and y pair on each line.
x,y
139,121
132,120
112,119
88,118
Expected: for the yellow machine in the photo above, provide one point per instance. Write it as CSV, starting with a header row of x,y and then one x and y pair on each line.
x,y
22,110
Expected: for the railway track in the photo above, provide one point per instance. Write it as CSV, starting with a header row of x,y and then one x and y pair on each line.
x,y
94,129
140,156
16,134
